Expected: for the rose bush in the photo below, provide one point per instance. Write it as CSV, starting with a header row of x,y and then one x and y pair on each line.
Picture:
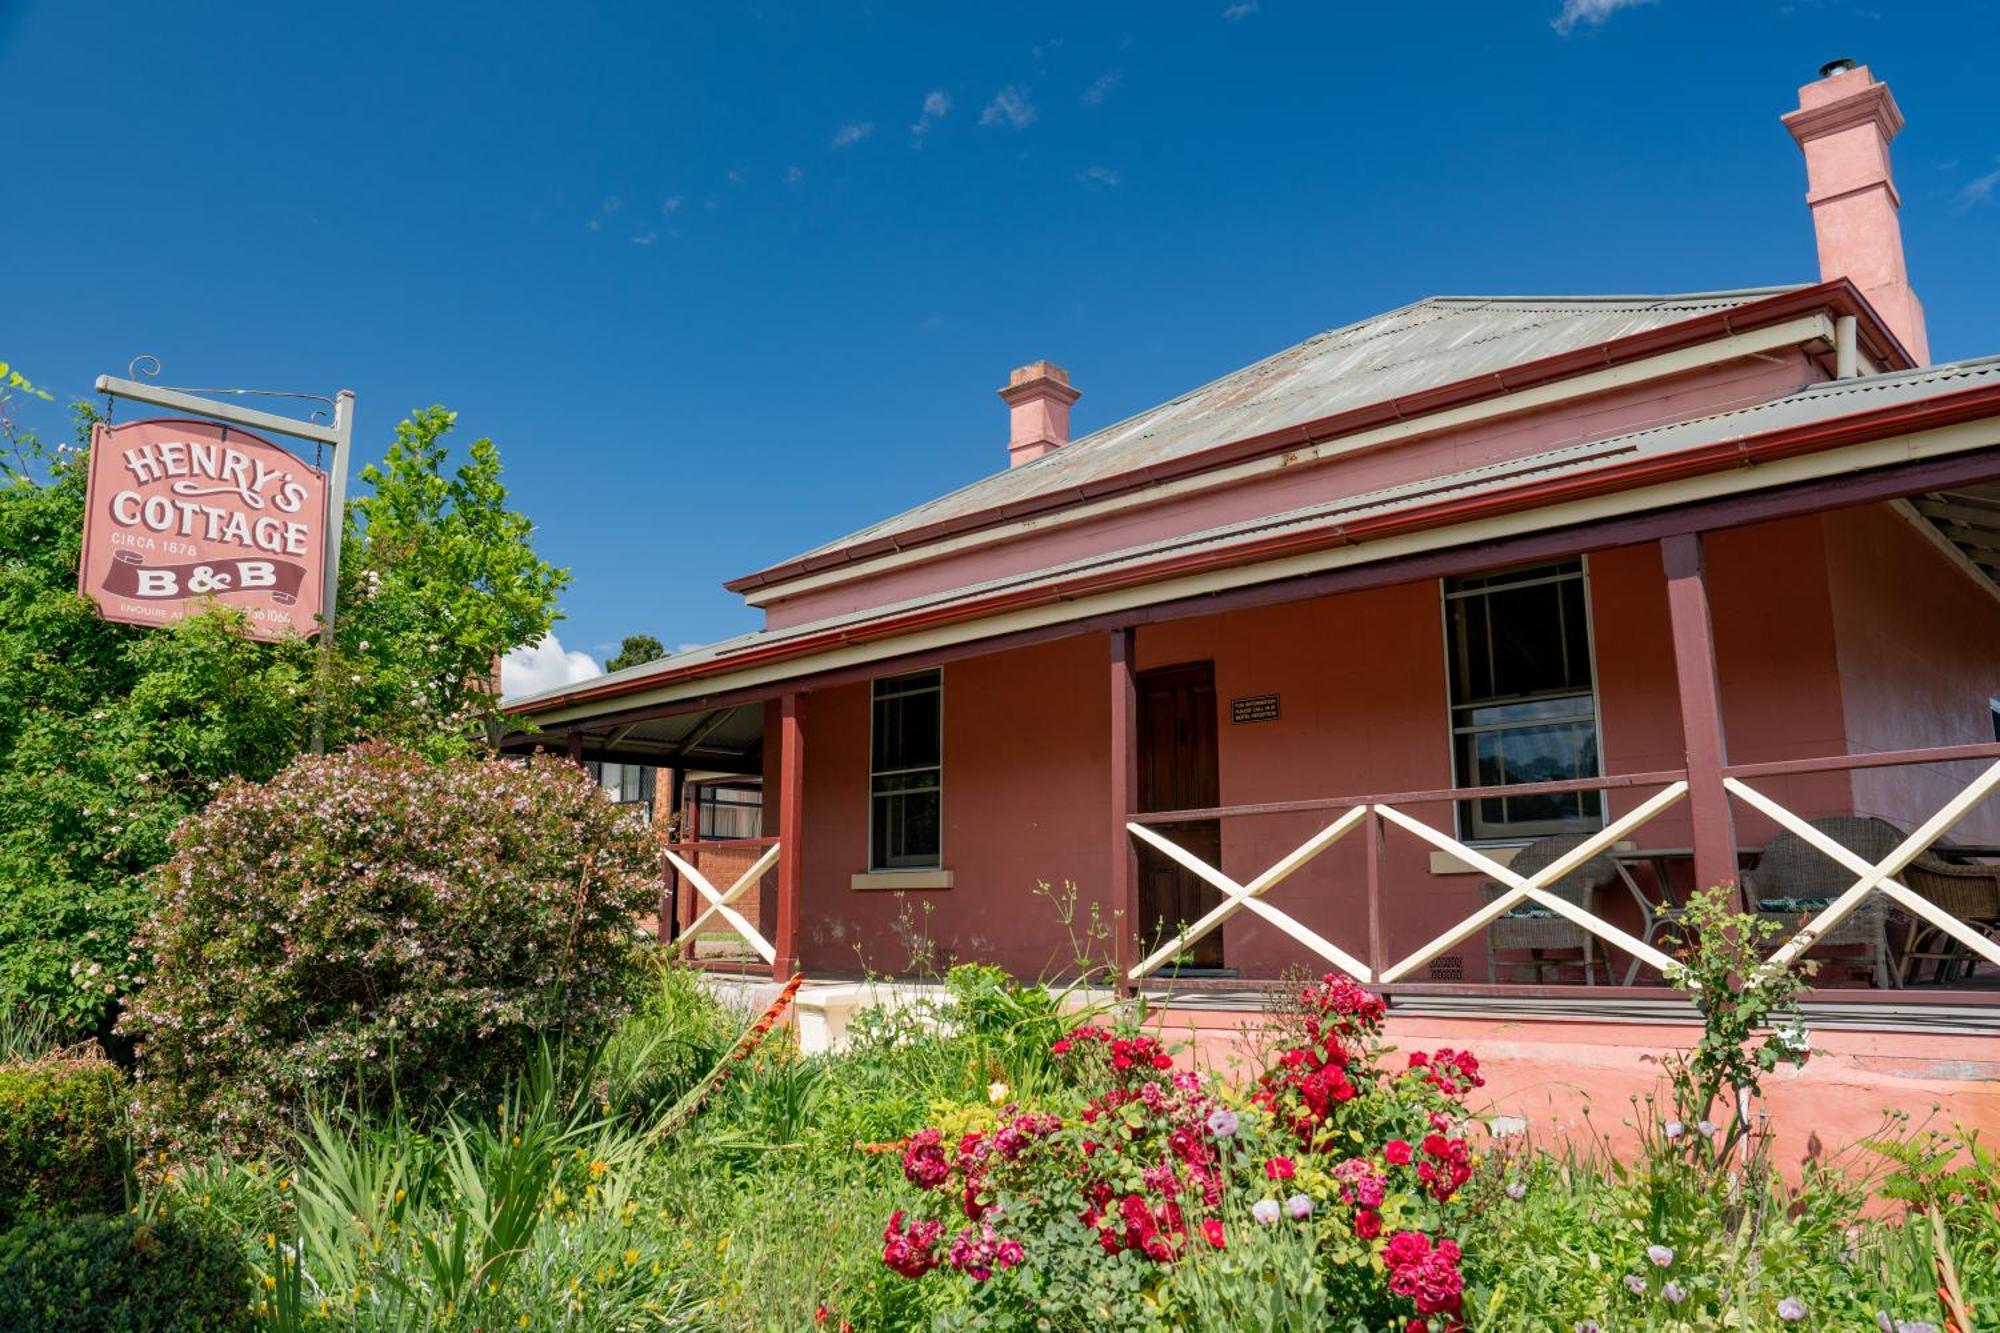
x,y
374,925
1105,1216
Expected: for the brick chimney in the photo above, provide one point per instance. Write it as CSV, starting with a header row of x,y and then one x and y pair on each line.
x,y
1843,125
1038,396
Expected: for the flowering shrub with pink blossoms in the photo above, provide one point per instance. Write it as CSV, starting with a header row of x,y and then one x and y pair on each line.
x,y
1119,1214
372,922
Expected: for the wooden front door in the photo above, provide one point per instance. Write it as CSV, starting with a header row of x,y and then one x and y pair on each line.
x,y
1178,771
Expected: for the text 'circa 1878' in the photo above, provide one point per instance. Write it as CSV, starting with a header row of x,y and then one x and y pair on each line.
x,y
179,512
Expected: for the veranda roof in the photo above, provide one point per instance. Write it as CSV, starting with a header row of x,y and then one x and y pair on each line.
x,y
1713,443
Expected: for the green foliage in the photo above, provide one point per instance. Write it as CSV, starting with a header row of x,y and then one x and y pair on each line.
x,y
62,1137
375,919
1751,1023
636,650
111,734
99,1274
438,581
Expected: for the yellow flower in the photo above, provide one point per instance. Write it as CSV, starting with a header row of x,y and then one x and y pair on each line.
x,y
996,1092
598,1168
631,1257
269,1281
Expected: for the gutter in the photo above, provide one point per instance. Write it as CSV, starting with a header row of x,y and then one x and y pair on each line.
x,y
1723,455
1839,296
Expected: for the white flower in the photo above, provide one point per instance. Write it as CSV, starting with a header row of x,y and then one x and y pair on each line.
x,y
1265,1211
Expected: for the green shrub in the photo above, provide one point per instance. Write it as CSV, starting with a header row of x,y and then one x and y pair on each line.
x,y
121,1274
374,926
62,1137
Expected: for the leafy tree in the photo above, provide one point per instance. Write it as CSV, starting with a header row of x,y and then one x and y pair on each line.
x,y
111,734
439,580
636,650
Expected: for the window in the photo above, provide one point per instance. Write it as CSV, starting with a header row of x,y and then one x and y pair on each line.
x,y
1993,707
627,784
729,812
906,773
1523,703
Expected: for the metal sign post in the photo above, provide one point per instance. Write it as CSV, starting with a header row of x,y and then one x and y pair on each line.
x,y
338,435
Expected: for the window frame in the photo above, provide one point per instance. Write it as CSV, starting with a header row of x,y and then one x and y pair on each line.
x,y
649,784
705,803
876,865
1460,813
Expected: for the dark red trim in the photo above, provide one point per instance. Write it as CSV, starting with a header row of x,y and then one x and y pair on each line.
x,y
1840,297
1968,405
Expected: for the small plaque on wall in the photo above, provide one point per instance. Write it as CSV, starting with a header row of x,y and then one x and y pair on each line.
x,y
1255,708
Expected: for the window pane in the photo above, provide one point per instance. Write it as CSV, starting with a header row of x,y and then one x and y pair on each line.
x,y
907,734
906,829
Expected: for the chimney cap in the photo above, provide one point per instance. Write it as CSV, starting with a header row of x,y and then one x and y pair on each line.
x,y
1040,379
1838,65
1037,370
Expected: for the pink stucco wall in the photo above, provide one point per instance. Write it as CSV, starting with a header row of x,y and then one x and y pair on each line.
x,y
1363,710
1919,656
1720,388
1027,776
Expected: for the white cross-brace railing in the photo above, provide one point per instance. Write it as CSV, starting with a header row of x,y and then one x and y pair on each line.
x,y
1250,896
1533,888
718,903
1878,875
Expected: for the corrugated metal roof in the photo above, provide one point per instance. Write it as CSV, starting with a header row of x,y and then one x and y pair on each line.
x,y
1438,341
1820,402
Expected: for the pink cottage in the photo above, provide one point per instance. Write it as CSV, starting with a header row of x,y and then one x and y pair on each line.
x,y
1449,650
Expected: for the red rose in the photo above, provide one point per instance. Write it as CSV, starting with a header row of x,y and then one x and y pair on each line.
x,y
1397,1151
1279,1168
1211,1231
1368,1224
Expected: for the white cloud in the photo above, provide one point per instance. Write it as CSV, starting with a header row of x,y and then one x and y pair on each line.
x,y
545,666
1107,84
672,203
936,107
1009,106
1241,10
646,237
1099,176
793,175
1979,189
849,135
1589,13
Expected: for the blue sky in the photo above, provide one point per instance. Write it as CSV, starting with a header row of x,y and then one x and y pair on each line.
x,y
726,281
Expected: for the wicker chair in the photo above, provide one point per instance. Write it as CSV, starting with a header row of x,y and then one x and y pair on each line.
x,y
1537,929
1970,892
1794,880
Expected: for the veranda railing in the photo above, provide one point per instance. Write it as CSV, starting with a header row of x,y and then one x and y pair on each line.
x,y
1374,815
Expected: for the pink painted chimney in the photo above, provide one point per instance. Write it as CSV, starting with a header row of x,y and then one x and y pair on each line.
x,y
1844,124
1038,396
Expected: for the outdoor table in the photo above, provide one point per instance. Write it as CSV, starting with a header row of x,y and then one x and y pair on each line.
x,y
1659,859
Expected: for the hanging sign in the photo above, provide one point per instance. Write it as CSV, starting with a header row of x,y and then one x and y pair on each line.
x,y
181,512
